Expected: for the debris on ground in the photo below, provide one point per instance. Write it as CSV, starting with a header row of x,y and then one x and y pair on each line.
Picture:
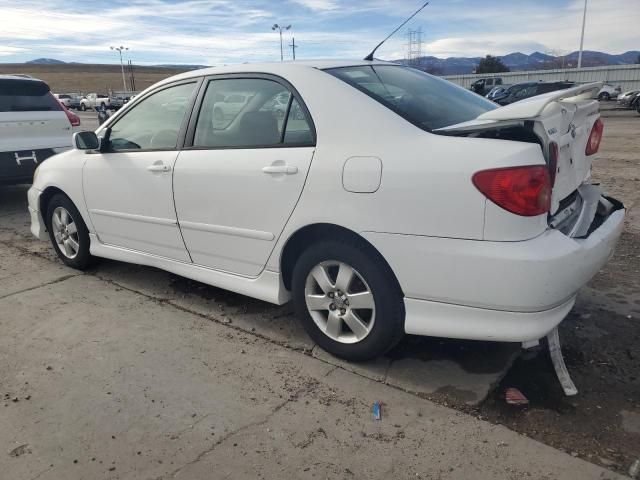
x,y
513,396
634,469
21,450
377,411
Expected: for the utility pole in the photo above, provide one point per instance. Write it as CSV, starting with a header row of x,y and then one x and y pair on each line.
x,y
278,27
584,21
293,47
119,50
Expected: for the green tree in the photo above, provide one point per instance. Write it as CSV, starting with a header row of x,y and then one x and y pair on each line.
x,y
491,64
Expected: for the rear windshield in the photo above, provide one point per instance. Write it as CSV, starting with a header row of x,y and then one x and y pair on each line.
x,y
426,101
26,96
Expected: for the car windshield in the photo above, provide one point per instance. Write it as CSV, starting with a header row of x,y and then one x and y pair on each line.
x,y
426,101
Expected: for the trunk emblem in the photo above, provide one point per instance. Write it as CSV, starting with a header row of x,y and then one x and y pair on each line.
x,y
20,159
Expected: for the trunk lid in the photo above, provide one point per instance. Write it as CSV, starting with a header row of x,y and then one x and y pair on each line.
x,y
565,117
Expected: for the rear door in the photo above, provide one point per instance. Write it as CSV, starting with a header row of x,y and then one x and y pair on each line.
x,y
32,125
239,181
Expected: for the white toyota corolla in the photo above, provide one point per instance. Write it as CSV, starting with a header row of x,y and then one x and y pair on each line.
x,y
383,201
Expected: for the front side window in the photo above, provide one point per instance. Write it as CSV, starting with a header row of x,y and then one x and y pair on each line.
x,y
426,101
250,113
155,122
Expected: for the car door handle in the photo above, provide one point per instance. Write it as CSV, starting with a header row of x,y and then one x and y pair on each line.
x,y
159,167
286,169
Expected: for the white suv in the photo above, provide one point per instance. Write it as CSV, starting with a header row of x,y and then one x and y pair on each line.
x,y
33,127
384,200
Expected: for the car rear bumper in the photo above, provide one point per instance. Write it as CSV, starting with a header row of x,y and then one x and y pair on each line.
x,y
474,289
38,227
18,166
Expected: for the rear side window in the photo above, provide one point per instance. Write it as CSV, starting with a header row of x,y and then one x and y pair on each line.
x,y
426,101
26,96
250,113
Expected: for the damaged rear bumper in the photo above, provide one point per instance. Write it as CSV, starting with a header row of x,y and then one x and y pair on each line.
x,y
503,291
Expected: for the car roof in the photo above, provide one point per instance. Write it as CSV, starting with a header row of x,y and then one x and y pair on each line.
x,y
19,77
276,68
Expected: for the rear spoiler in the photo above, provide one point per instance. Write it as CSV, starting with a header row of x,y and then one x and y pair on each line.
x,y
528,109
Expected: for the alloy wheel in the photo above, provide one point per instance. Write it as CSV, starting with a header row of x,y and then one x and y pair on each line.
x,y
65,232
340,302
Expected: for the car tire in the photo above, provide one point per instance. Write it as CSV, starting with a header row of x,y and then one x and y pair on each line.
x,y
604,96
103,105
328,312
68,232
83,107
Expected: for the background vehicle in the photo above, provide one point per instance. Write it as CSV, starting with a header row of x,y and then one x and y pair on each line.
x,y
628,99
483,86
360,225
34,127
495,91
229,107
63,98
520,91
609,92
119,99
92,100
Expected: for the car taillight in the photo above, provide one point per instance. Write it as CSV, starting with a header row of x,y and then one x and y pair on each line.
x,y
593,144
524,191
73,118
553,162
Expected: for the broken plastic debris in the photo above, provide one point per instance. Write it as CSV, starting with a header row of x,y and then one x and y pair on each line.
x,y
513,396
377,411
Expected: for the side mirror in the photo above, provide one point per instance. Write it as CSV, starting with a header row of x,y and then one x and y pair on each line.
x,y
86,141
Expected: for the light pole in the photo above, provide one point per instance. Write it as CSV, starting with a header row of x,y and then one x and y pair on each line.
x,y
278,27
584,20
120,49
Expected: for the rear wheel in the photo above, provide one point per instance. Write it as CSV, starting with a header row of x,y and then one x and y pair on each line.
x,y
68,232
83,107
347,300
604,96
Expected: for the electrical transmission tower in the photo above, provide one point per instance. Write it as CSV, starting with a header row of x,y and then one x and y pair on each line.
x,y
414,47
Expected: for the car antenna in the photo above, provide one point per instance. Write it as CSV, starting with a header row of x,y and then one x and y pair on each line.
x,y
370,56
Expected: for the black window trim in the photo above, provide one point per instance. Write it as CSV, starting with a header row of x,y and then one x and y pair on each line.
x,y
197,81
191,130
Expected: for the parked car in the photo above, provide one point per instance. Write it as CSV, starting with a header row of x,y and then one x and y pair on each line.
x,y
120,99
520,91
63,98
228,108
628,99
383,210
609,92
33,127
93,100
495,91
483,86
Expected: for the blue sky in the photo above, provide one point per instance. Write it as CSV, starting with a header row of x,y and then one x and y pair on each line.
x,y
214,32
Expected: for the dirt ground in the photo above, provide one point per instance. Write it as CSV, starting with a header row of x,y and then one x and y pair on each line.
x,y
600,338
84,78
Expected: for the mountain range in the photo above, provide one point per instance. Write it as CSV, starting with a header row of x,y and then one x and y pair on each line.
x,y
520,61
458,65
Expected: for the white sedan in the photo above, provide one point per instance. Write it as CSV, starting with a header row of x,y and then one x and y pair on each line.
x,y
385,201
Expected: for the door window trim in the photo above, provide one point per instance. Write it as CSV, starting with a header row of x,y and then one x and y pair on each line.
x,y
191,130
197,81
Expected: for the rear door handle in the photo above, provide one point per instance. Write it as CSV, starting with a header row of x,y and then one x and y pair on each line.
x,y
159,167
286,169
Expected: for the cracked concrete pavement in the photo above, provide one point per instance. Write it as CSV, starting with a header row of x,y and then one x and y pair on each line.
x,y
125,373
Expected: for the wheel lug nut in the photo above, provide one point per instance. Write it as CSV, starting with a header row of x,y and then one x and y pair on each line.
x,y
331,295
342,311
332,307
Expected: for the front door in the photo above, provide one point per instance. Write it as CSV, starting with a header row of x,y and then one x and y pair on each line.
x,y
239,181
128,187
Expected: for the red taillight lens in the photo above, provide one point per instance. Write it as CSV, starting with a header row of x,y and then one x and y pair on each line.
x,y
553,162
524,191
73,118
593,144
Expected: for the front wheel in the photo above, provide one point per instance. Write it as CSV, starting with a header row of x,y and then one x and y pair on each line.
x,y
83,107
68,232
605,96
347,300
